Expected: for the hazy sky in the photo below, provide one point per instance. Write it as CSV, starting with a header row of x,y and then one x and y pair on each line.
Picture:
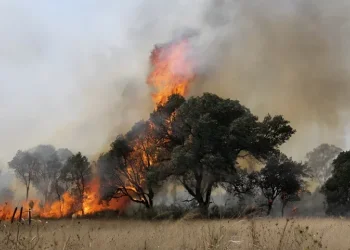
x,y
47,54
72,73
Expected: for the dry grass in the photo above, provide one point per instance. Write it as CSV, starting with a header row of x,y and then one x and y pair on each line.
x,y
197,234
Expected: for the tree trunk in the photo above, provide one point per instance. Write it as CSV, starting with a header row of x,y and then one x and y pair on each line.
x,y
204,209
27,193
150,196
269,208
204,205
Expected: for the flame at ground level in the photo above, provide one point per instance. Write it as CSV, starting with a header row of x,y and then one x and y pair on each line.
x,y
67,205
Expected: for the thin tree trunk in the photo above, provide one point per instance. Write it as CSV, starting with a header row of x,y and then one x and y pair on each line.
x,y
269,208
27,193
150,196
204,207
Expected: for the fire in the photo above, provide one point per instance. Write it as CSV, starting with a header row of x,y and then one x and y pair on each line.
x,y
172,70
93,204
66,206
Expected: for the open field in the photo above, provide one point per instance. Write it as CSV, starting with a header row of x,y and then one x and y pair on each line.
x,y
201,234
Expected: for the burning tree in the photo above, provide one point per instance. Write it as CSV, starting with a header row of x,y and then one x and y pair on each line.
x,y
77,171
132,155
134,167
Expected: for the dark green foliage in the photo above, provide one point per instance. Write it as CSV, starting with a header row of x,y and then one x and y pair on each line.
x,y
213,132
337,188
281,177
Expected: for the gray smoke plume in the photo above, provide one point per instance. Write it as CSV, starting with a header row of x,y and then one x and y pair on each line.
x,y
73,73
284,57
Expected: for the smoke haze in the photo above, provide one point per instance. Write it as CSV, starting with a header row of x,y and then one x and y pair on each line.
x,y
73,73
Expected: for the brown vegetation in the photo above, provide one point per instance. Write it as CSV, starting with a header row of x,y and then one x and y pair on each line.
x,y
181,234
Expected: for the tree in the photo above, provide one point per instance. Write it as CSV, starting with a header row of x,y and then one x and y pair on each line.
x,y
58,185
26,167
77,171
281,177
320,161
239,184
212,133
132,166
337,188
126,166
50,162
48,165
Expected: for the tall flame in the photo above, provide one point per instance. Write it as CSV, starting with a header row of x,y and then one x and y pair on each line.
x,y
172,70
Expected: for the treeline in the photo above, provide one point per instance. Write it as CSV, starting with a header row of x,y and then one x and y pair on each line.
x,y
196,143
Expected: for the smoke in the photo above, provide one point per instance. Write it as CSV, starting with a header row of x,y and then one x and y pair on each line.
x,y
73,73
284,57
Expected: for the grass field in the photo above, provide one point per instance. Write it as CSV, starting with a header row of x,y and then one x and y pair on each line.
x,y
183,234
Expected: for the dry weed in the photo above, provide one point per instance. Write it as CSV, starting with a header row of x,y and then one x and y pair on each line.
x,y
183,234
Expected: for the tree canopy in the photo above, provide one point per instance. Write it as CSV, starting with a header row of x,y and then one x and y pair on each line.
x,y
337,188
196,141
26,168
134,166
281,177
214,131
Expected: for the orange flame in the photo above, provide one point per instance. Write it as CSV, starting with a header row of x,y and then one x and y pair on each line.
x,y
172,70
67,205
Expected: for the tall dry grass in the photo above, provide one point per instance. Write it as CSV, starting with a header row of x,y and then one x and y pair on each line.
x,y
182,234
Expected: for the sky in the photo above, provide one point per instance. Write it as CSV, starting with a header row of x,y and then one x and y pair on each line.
x,y
49,55
72,73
